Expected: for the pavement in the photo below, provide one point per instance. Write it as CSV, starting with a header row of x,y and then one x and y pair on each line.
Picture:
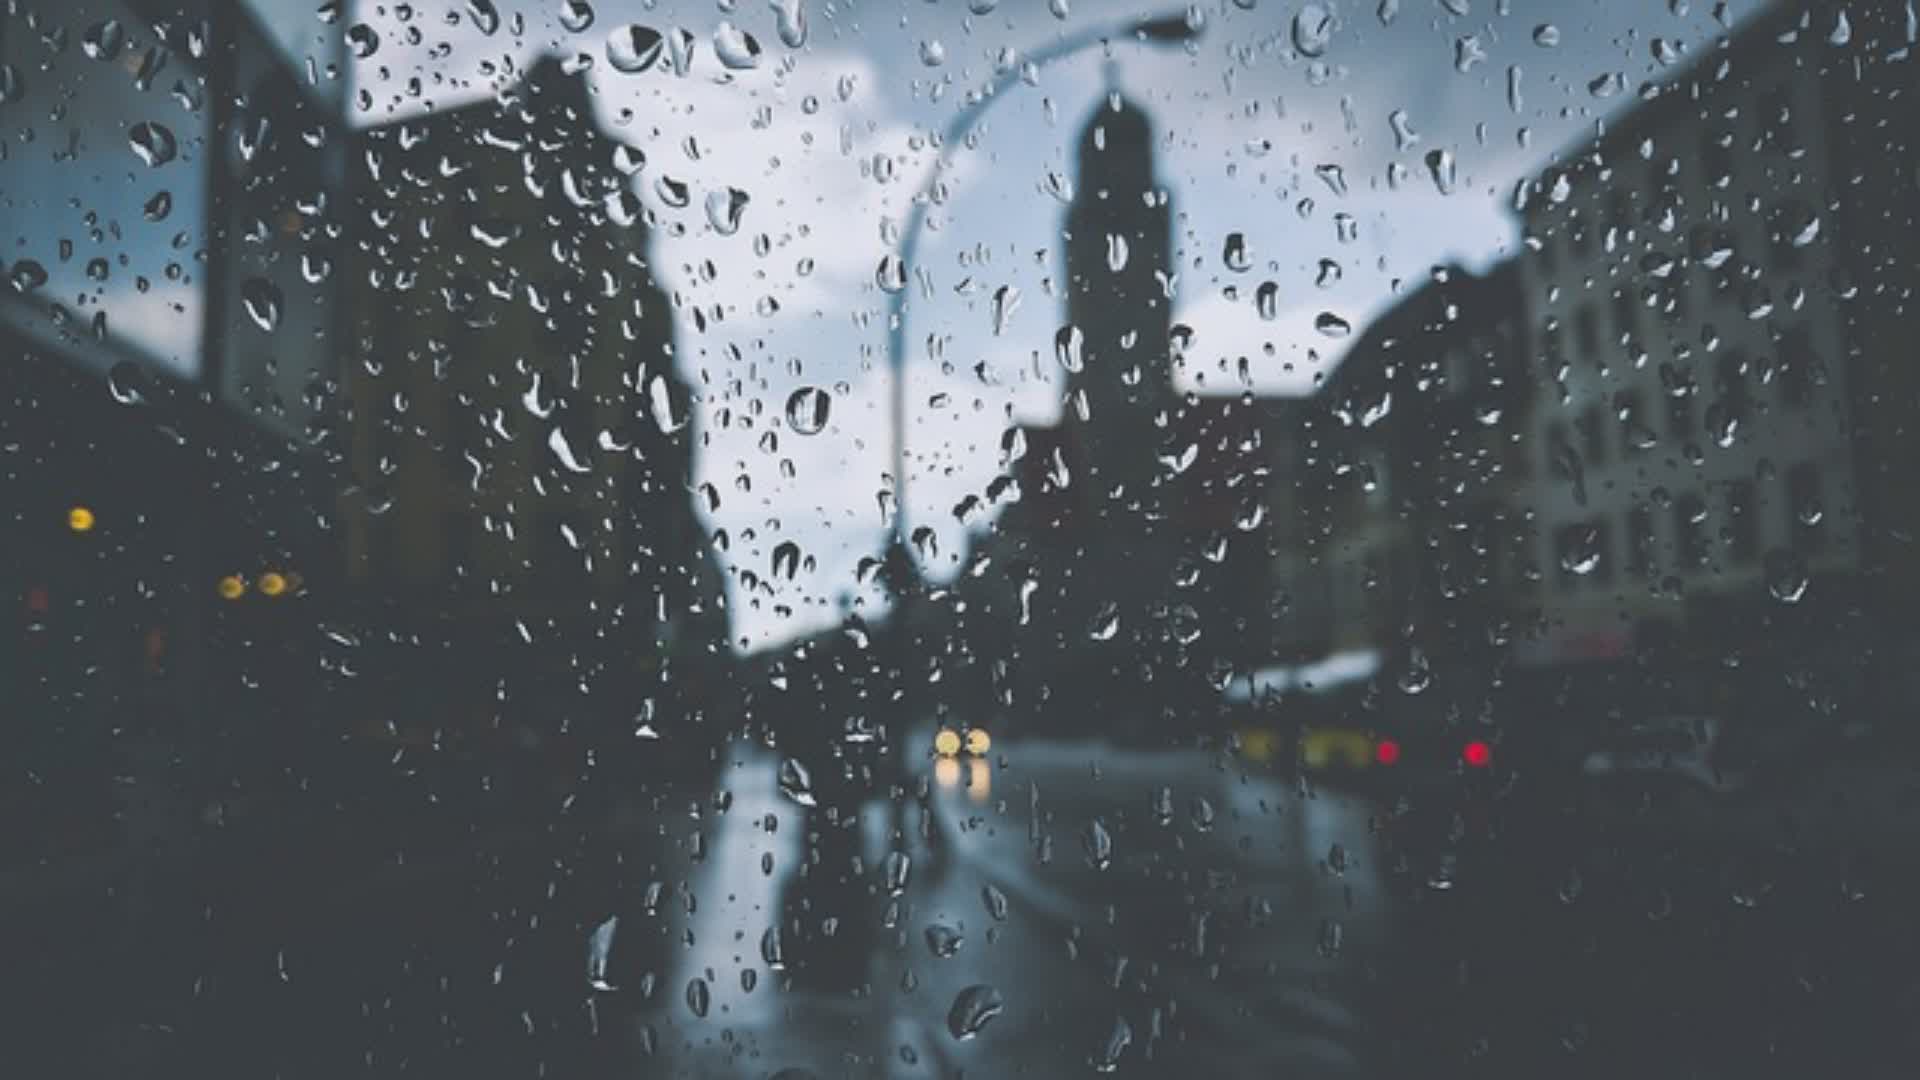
x,y
1056,909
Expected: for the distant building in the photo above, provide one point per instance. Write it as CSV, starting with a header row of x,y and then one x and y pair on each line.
x,y
1133,549
520,435
1703,373
1416,473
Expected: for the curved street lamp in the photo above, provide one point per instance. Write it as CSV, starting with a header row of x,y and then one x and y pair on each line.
x,y
1169,29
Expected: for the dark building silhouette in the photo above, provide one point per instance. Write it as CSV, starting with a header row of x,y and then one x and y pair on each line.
x,y
1415,473
1132,562
520,437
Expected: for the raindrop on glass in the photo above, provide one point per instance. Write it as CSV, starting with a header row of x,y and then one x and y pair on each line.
x,y
633,48
152,143
973,1009
737,49
575,15
263,302
807,410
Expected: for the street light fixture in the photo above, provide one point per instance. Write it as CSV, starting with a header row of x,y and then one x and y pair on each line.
x,y
1173,28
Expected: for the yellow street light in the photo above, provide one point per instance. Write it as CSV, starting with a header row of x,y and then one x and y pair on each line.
x,y
232,587
80,519
272,584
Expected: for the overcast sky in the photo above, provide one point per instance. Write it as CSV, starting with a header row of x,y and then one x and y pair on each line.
x,y
827,134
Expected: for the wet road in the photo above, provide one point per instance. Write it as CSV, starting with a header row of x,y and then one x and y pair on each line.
x,y
1100,910
1059,909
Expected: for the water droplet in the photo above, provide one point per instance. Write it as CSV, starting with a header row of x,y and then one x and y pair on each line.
x,y
973,1009
1786,574
1097,843
263,302
943,941
103,40
897,869
1235,254
1068,347
158,207
791,18
807,410
796,782
1106,1057
891,274
1313,28
982,7
1331,325
724,209
575,15
773,951
599,947
1201,814
932,53
563,450
127,382
633,48
153,143
995,902
1546,35
1404,137
1440,166
680,46
1582,555
1006,301
1116,252
26,276
699,997
364,39
1105,622
484,15
12,87
1266,300
737,49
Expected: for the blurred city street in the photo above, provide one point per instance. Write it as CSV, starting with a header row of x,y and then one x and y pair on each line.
x,y
567,540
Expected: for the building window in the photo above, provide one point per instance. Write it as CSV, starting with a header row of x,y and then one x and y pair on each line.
x,y
1690,530
1743,524
1716,156
1626,314
1731,376
1640,540
1559,451
1629,407
1796,366
1593,434
1806,510
1586,325
1680,414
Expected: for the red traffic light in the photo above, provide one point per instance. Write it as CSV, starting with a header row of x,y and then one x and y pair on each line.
x,y
1477,754
1386,752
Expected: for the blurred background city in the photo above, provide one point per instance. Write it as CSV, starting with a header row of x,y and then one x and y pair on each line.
x,y
1331,539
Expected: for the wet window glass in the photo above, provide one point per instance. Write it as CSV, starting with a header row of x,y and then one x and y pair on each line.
x,y
689,538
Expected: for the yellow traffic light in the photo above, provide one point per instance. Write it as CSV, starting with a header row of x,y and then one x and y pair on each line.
x,y
232,587
947,743
80,519
272,584
978,741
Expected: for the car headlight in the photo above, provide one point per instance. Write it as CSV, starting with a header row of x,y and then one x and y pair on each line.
x,y
946,743
978,741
